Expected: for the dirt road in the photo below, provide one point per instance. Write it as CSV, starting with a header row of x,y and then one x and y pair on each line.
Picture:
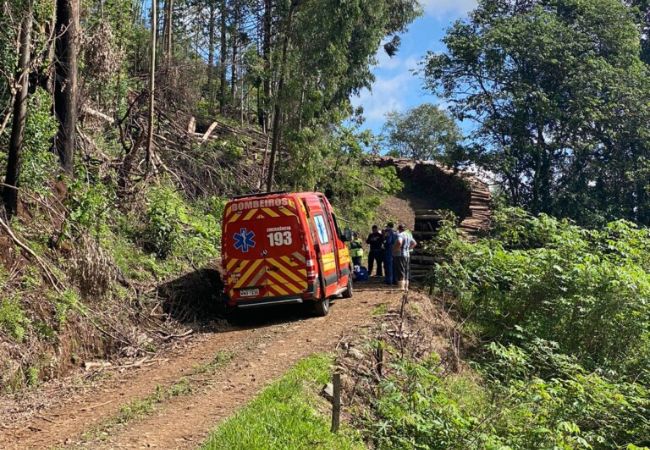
x,y
192,393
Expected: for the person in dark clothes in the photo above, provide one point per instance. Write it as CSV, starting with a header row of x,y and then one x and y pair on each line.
x,y
390,237
376,254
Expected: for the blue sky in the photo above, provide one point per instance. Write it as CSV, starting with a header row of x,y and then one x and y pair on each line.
x,y
395,87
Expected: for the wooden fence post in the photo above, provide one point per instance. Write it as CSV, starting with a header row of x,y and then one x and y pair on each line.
x,y
336,402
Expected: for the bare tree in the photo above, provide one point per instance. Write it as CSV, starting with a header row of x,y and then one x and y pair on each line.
x,y
266,55
65,80
152,81
12,177
223,56
277,110
212,17
168,31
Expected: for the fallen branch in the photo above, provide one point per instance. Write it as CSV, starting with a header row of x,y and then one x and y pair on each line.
x,y
172,336
367,184
98,114
54,281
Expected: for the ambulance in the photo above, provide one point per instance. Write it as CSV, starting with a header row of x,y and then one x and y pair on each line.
x,y
283,248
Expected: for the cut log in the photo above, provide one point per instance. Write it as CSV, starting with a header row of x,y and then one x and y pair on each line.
x,y
209,132
98,115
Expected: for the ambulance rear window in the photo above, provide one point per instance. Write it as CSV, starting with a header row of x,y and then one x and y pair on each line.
x,y
322,229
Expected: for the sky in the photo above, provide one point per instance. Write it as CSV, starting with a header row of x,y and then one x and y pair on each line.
x,y
396,88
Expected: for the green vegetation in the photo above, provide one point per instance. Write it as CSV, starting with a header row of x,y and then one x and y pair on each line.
x,y
12,318
142,407
425,132
220,360
111,214
564,315
560,96
287,414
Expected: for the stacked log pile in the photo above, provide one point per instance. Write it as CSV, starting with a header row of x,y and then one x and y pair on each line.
x,y
440,187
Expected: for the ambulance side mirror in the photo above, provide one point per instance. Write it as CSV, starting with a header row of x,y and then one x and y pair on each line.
x,y
343,238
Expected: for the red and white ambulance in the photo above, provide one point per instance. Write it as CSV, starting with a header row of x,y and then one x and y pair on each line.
x,y
283,248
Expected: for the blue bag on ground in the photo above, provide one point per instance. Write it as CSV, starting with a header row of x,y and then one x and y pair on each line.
x,y
360,273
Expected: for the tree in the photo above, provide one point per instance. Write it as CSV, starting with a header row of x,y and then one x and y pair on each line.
x,y
223,56
168,32
425,132
65,82
327,60
152,81
12,177
558,94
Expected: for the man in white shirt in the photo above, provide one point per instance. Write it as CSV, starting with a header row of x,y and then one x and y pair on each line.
x,y
401,253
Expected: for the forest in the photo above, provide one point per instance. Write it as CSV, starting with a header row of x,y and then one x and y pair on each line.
x,y
125,126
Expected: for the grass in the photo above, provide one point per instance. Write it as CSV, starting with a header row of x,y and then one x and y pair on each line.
x,y
139,408
143,407
289,414
380,309
220,360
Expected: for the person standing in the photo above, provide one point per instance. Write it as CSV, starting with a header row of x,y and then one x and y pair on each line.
x,y
376,254
356,250
401,256
389,241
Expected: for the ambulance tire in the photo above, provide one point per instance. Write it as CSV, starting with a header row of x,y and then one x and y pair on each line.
x,y
349,290
322,307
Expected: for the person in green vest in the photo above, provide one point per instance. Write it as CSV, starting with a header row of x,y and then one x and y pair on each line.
x,y
356,249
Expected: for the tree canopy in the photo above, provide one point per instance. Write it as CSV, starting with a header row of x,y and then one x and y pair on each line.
x,y
424,132
560,97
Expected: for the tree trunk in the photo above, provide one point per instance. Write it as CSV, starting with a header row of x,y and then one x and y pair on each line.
x,y
152,81
223,57
266,55
235,44
167,33
277,113
10,191
211,38
65,80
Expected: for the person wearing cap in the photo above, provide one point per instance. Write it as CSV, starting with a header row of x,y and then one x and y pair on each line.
x,y
376,254
404,243
390,237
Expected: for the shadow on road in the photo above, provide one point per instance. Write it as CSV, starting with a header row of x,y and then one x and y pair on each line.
x,y
196,299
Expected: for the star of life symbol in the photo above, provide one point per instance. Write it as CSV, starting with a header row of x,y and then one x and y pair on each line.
x,y
321,229
244,240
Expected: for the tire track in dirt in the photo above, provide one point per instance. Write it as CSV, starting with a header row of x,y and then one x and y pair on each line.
x,y
262,354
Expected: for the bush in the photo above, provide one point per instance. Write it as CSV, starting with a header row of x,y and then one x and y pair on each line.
x,y
166,216
419,408
39,163
564,313
587,290
91,207
13,319
172,226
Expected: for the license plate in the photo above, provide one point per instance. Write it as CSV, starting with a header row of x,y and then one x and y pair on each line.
x,y
249,292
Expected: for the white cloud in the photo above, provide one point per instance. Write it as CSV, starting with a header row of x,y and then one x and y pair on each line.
x,y
444,8
392,86
388,94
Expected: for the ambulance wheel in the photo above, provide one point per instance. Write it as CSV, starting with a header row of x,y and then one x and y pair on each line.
x,y
322,307
349,290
